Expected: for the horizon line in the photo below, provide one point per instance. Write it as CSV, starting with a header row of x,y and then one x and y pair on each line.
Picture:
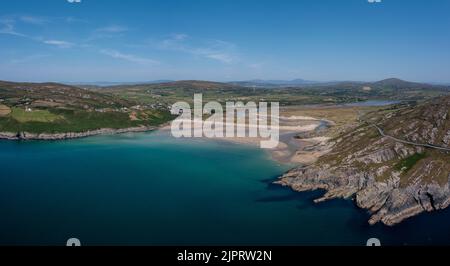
x,y
161,81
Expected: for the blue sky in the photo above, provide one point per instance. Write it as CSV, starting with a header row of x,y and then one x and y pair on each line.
x,y
224,40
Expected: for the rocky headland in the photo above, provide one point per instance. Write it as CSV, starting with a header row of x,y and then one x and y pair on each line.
x,y
395,163
71,135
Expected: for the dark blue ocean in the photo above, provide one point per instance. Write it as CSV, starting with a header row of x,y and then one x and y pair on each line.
x,y
149,189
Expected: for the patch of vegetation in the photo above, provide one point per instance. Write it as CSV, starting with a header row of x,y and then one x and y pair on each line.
x,y
408,163
58,108
78,121
169,93
43,116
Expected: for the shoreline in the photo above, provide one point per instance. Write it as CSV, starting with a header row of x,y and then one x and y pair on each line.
x,y
24,136
290,150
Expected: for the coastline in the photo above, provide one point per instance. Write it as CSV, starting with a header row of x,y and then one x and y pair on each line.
x,y
299,154
291,150
394,179
72,135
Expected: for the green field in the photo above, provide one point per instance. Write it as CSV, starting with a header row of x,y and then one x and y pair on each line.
x,y
408,163
58,108
336,93
43,116
61,121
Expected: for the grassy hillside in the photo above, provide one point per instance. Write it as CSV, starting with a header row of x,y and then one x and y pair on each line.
x,y
169,93
335,93
58,108
366,149
52,107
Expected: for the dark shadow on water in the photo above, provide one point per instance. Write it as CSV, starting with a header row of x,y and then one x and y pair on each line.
x,y
425,229
270,181
306,199
279,198
280,194
309,198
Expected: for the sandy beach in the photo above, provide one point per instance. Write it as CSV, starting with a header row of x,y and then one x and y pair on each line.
x,y
293,147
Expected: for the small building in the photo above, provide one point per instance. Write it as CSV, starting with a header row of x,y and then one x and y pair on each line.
x,y
174,112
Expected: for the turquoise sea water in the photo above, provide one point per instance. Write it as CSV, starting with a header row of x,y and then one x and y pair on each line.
x,y
149,189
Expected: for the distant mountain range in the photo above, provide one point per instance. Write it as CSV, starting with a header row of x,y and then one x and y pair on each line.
x,y
274,83
251,83
395,83
392,83
110,83
200,85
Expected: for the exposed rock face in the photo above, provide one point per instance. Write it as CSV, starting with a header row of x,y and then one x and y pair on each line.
x,y
70,135
394,181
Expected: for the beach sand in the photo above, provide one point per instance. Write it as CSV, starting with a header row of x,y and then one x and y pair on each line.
x,y
291,149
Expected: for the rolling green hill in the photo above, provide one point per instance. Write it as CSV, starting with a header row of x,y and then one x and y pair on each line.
x,y
57,108
328,93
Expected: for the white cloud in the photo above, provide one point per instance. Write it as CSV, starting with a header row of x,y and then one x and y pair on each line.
x,y
59,43
224,58
112,29
180,36
33,20
7,27
128,57
217,50
71,20
8,24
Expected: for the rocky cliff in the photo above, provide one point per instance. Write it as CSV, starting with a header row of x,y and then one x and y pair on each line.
x,y
385,164
70,135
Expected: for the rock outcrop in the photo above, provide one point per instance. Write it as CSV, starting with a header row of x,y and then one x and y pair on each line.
x,y
70,135
394,181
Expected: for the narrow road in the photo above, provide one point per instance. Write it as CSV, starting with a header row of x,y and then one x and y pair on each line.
x,y
409,142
